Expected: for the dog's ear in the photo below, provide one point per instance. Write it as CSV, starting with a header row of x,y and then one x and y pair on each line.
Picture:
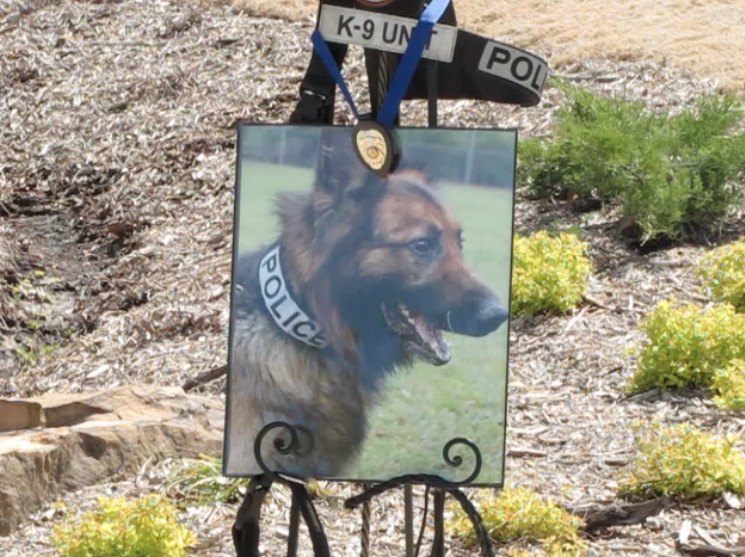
x,y
416,174
340,175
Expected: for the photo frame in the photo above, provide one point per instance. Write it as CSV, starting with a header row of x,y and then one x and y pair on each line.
x,y
369,315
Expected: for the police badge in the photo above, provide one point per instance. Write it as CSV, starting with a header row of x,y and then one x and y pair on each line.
x,y
377,147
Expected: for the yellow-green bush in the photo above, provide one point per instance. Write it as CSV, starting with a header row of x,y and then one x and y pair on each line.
x,y
723,272
687,345
683,461
549,272
729,386
147,526
520,513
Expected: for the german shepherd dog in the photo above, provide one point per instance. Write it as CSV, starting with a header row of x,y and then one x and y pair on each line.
x,y
377,267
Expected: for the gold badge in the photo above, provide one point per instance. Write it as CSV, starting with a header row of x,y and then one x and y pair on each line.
x,y
375,146
372,148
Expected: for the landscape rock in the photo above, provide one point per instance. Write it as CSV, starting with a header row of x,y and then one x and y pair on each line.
x,y
73,441
20,414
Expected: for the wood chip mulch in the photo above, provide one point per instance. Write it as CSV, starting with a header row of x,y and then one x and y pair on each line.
x,y
116,185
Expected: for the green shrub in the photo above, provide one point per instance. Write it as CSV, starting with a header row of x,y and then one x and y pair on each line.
x,y
549,272
520,513
687,345
684,462
729,386
723,271
670,174
125,528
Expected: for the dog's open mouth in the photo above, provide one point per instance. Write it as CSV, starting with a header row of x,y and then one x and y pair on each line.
x,y
421,337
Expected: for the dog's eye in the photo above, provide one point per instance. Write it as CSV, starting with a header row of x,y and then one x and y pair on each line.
x,y
423,246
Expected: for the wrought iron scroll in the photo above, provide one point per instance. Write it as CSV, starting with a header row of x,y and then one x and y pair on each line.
x,y
457,460
282,447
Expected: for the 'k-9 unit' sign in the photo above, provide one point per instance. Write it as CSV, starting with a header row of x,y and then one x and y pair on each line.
x,y
369,313
381,31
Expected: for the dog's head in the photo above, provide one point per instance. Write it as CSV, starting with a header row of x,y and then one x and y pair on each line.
x,y
384,259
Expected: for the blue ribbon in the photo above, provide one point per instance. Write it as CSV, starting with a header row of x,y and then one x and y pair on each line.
x,y
330,63
406,68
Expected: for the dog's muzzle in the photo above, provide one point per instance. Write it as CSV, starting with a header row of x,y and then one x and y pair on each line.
x,y
478,317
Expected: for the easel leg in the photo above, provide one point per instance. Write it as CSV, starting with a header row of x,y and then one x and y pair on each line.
x,y
365,534
380,67
432,93
294,528
409,519
438,544
246,527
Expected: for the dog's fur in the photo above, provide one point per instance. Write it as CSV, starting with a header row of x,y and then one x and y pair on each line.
x,y
354,251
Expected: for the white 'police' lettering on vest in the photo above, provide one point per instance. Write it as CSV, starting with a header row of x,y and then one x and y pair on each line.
x,y
513,64
286,313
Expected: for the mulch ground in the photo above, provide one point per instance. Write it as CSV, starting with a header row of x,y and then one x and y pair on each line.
x,y
116,205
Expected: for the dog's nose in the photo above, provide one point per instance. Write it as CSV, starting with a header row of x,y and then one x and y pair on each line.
x,y
478,318
490,315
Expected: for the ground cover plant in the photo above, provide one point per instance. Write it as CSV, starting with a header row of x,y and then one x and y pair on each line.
x,y
683,461
687,345
549,272
147,526
723,272
519,513
671,175
200,481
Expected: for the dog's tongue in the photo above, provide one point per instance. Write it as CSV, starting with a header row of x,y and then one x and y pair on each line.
x,y
433,338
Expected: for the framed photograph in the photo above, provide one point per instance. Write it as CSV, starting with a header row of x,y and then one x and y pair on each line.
x,y
369,316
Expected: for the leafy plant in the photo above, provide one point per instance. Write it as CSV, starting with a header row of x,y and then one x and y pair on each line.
x,y
683,461
729,386
201,482
147,526
670,174
25,355
687,345
520,513
549,272
723,271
